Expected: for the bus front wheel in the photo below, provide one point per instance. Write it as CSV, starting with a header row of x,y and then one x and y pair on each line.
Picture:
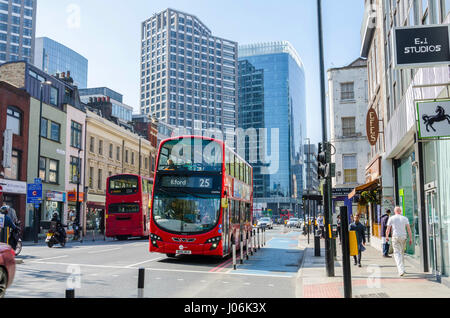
x,y
171,255
122,237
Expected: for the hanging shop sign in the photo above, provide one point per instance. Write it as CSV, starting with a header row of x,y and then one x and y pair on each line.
x,y
372,126
56,196
433,119
13,187
421,46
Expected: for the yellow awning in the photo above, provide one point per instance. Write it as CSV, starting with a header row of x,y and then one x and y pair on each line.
x,y
370,185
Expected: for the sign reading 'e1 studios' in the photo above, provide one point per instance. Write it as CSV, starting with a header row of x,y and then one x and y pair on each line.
x,y
421,46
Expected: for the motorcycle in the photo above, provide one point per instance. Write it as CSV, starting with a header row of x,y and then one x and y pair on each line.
x,y
15,240
54,235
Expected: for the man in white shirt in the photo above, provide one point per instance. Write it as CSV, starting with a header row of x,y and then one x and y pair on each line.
x,y
399,224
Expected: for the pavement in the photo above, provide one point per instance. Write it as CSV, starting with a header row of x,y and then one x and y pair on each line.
x,y
377,278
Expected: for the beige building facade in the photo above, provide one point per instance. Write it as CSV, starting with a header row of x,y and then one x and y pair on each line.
x,y
110,150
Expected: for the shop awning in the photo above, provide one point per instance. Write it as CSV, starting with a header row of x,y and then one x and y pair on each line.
x,y
368,186
95,205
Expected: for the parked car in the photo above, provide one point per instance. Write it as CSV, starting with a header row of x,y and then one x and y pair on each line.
x,y
293,222
7,267
265,222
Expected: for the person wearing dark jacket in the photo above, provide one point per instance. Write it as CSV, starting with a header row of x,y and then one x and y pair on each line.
x,y
384,221
360,237
8,223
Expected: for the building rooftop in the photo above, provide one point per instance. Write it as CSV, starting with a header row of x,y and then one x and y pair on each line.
x,y
265,48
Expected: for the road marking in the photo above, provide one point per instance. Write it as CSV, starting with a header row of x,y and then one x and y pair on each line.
x,y
108,250
167,270
147,261
45,259
221,266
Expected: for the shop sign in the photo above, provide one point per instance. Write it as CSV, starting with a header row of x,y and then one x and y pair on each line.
x,y
7,148
56,196
433,119
72,196
341,191
15,187
372,127
421,46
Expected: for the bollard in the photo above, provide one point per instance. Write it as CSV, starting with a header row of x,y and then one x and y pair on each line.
x,y
251,242
317,245
141,280
258,239
264,237
234,256
70,293
248,246
242,250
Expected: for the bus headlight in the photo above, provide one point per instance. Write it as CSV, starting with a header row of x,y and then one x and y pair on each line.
x,y
155,238
214,241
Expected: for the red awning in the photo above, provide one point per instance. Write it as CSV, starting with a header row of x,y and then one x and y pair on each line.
x,y
368,186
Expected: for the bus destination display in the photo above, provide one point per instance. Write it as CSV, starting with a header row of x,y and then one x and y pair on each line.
x,y
187,182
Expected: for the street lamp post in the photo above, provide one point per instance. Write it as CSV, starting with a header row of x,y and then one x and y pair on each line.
x,y
329,260
36,210
307,190
78,207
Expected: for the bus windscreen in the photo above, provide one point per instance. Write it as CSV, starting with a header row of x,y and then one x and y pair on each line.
x,y
191,154
123,184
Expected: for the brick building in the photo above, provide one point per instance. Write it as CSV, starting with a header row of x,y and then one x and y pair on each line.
x,y
14,124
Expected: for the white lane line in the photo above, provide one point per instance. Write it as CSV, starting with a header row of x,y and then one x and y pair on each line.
x,y
108,250
147,261
165,270
45,259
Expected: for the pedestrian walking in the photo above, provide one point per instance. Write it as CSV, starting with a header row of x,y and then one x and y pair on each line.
x,y
360,237
339,228
321,226
8,223
384,221
399,225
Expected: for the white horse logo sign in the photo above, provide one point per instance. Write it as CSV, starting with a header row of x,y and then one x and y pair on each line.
x,y
434,119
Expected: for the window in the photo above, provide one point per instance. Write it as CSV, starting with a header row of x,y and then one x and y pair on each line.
x,y
13,173
350,166
110,151
347,91
42,168
55,130
118,154
54,96
53,171
132,157
74,169
126,156
76,135
14,120
100,179
100,147
348,126
91,177
92,144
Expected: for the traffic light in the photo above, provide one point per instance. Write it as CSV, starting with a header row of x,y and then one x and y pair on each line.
x,y
321,161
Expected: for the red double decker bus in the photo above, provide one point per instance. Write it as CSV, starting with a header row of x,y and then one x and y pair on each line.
x,y
127,206
202,198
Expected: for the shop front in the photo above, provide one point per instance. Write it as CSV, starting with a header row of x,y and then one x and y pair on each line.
x,y
436,163
95,216
14,193
407,198
53,203
71,210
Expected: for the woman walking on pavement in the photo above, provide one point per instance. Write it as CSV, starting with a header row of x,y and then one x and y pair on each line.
x,y
360,237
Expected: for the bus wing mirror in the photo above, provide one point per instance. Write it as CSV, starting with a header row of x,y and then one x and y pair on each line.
x,y
224,203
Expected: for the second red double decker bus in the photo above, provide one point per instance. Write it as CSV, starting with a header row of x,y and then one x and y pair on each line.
x,y
127,206
202,198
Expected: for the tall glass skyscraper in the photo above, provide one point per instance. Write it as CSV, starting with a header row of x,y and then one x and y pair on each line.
x,y
53,57
188,76
272,96
17,30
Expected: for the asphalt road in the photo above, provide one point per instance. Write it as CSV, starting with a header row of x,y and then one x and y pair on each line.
x,y
110,270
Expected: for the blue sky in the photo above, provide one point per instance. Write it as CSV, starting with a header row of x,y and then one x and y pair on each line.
x,y
107,33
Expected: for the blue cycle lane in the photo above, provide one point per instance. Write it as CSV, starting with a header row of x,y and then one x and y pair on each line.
x,y
281,257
